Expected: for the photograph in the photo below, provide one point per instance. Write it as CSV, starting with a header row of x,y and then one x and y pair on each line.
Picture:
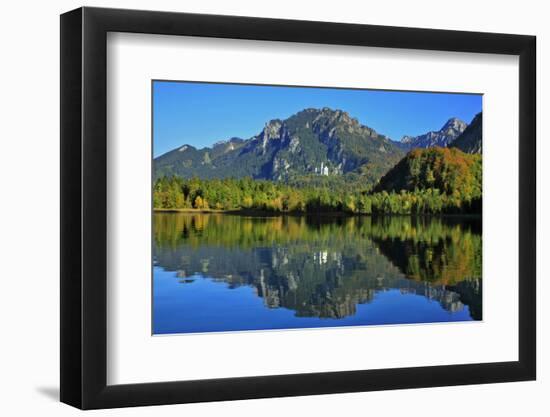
x,y
267,206
295,207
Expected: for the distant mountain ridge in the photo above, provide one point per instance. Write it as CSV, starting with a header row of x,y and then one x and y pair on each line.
x,y
311,142
451,130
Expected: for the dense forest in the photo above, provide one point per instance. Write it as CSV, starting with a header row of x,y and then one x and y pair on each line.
x,y
448,170
426,181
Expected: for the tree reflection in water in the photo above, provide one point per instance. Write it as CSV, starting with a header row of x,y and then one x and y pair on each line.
x,y
325,266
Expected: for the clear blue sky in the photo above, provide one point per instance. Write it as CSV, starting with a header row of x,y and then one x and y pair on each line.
x,y
200,114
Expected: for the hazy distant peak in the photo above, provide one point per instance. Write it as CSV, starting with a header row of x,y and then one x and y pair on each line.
x,y
442,137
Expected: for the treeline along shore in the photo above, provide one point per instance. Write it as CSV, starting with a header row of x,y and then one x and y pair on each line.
x,y
430,181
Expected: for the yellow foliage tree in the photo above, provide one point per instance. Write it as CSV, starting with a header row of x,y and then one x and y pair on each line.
x,y
199,202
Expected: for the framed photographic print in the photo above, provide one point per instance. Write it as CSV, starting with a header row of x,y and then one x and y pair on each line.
x,y
256,208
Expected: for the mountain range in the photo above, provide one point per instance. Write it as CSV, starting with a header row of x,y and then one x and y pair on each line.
x,y
451,130
311,143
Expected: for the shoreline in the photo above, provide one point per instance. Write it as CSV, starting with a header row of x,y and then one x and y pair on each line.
x,y
187,210
262,213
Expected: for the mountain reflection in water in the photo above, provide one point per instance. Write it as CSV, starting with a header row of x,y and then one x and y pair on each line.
x,y
222,272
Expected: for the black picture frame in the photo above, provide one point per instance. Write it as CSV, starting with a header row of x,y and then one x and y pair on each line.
x,y
84,207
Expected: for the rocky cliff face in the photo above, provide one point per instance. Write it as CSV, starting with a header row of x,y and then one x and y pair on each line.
x,y
470,141
443,137
320,142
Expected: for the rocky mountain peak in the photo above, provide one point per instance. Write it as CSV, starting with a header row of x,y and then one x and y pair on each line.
x,y
454,124
312,142
325,115
272,129
336,116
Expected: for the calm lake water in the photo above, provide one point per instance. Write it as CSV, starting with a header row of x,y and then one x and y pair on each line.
x,y
223,272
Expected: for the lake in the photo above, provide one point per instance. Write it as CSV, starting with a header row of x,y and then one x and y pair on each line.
x,y
227,272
